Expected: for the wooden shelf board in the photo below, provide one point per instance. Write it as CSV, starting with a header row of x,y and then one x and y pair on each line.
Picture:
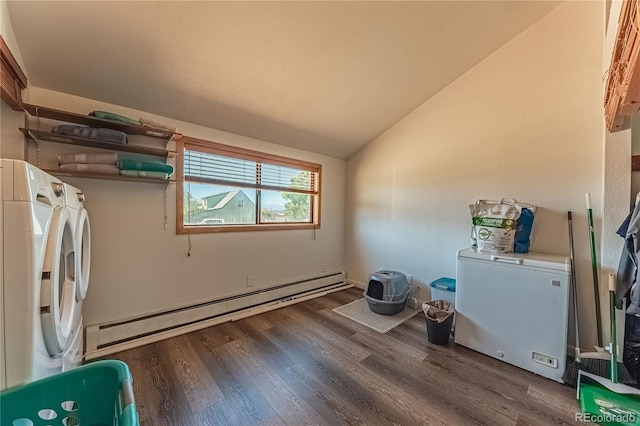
x,y
73,140
133,129
67,173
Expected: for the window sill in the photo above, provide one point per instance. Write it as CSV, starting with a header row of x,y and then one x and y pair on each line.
x,y
244,228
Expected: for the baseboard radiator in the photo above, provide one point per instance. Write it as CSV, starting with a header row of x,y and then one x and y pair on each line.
x,y
105,339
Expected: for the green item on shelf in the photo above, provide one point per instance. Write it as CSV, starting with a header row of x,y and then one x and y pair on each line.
x,y
114,117
147,166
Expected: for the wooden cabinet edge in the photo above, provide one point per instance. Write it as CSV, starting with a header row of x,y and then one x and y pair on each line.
x,y
13,78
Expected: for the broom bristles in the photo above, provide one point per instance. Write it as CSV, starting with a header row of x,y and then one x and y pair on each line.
x,y
602,368
598,366
570,376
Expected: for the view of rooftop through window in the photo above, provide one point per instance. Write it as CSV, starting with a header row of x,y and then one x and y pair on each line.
x,y
224,188
206,204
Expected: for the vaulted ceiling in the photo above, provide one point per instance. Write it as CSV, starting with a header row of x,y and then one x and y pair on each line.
x,y
326,77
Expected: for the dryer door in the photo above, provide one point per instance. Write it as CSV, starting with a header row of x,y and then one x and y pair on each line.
x,y
58,288
82,260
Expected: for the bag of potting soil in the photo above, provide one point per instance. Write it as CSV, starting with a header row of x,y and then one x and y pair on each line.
x,y
494,226
505,241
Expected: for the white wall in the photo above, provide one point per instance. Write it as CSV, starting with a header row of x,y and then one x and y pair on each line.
x,y
11,141
138,267
525,123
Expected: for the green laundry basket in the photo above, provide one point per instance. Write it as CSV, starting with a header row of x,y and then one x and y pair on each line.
x,y
95,394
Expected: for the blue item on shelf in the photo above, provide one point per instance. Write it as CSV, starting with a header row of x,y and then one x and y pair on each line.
x,y
106,115
145,166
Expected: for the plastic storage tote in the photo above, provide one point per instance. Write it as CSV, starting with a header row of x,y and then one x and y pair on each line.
x,y
444,289
387,292
97,394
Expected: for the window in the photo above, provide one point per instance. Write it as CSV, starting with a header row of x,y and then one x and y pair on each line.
x,y
225,188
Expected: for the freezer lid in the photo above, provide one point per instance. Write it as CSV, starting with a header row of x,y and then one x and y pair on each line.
x,y
536,260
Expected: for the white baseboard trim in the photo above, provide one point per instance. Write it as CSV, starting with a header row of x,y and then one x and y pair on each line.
x,y
106,339
357,283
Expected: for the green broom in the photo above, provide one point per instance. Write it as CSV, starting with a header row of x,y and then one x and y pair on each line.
x,y
599,362
593,362
605,401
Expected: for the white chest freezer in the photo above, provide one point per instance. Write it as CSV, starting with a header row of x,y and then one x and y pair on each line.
x,y
514,307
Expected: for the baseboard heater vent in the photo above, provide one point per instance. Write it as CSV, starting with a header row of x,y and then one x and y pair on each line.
x,y
104,339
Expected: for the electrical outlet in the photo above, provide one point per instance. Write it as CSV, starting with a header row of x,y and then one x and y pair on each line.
x,y
544,360
412,300
249,281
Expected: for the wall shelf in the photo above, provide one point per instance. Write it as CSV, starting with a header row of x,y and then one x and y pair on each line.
x,y
67,173
91,143
40,136
87,120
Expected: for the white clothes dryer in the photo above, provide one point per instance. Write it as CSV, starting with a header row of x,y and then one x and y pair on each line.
x,y
79,220
40,317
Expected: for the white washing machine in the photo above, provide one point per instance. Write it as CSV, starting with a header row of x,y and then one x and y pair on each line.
x,y
41,309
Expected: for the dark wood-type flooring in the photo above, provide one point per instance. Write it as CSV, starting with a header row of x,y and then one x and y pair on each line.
x,y
306,365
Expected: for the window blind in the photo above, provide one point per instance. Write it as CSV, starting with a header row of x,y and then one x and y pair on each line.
x,y
206,167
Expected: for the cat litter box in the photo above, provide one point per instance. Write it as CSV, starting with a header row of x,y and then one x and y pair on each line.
x,y
387,292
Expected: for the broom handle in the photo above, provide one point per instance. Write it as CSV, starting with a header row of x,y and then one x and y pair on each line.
x,y
594,267
614,338
574,287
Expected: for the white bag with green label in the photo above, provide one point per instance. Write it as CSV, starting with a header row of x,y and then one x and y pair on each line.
x,y
494,225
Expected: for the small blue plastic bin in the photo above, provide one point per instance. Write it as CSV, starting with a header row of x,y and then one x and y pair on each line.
x,y
444,289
